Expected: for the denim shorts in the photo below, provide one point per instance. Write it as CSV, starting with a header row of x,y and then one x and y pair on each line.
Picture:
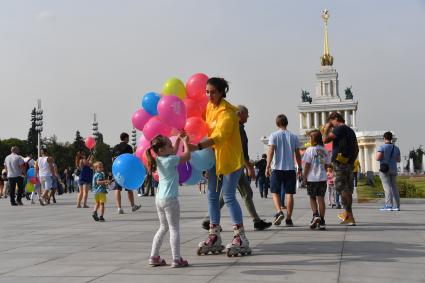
x,y
283,180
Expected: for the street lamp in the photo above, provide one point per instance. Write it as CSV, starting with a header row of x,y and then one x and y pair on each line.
x,y
133,138
39,125
95,128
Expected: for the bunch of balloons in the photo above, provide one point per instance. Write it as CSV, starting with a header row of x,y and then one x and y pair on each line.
x,y
178,107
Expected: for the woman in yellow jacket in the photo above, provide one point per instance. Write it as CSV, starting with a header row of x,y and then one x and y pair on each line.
x,y
224,137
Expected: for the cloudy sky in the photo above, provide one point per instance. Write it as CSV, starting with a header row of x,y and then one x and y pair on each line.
x,y
82,57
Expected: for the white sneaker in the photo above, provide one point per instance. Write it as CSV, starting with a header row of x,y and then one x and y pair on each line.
x,y
136,207
139,195
120,211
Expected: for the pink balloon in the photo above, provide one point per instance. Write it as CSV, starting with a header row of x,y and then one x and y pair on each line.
x,y
181,147
196,129
90,142
193,108
140,118
172,111
195,86
156,127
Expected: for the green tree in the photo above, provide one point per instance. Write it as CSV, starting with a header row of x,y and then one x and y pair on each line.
x,y
103,153
78,144
32,139
6,145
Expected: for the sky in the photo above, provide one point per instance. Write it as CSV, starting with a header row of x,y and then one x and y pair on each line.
x,y
101,56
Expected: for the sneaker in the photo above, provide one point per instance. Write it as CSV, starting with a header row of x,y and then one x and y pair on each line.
x,y
289,223
95,217
136,207
278,218
156,261
348,221
179,263
101,219
342,216
395,209
206,225
315,222
86,206
139,195
386,208
322,224
120,211
262,225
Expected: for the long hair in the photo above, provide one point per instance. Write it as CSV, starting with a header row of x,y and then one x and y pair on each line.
x,y
78,158
316,138
157,143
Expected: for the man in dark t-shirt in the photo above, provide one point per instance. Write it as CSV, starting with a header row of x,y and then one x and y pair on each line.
x,y
261,166
122,148
344,152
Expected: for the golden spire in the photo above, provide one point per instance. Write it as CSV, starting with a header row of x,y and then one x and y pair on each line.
x,y
326,59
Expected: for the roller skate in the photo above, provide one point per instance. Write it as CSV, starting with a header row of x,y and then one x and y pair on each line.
x,y
213,243
240,244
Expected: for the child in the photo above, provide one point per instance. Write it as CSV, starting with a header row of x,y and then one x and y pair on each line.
x,y
203,182
167,202
316,158
100,190
331,186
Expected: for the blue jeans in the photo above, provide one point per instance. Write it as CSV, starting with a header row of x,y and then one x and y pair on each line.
x,y
228,184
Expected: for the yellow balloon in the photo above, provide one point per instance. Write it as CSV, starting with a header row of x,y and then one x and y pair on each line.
x,y
174,86
30,187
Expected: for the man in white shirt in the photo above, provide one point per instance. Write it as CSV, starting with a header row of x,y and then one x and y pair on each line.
x,y
45,172
14,165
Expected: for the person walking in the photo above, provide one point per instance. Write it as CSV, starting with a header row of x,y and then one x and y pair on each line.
x,y
45,171
14,165
344,152
244,186
284,147
121,148
388,156
261,177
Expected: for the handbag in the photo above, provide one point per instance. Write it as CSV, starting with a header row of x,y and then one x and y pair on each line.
x,y
385,167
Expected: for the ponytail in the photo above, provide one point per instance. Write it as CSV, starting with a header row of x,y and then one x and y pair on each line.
x,y
151,161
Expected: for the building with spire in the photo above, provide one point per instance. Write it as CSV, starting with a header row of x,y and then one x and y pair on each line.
x,y
315,110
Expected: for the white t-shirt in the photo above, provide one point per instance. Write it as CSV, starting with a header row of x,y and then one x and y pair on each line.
x,y
318,157
13,163
285,144
44,167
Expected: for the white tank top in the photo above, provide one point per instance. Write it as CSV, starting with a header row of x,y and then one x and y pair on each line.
x,y
43,167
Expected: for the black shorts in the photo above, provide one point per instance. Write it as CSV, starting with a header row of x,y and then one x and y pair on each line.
x,y
283,180
316,189
119,188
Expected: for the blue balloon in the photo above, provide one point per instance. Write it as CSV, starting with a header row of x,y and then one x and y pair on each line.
x,y
150,102
128,171
30,173
194,178
203,160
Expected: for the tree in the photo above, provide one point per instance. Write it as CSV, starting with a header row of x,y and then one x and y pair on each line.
x,y
78,144
32,140
103,153
6,145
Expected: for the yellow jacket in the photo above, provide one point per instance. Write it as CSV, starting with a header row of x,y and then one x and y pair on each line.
x,y
223,129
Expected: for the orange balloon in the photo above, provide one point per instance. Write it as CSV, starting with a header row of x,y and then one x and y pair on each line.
x,y
196,129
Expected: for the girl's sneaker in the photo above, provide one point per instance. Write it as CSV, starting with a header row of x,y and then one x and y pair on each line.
x,y
156,261
315,222
179,263
101,219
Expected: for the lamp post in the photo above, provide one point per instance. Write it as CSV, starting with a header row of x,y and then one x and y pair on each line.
x,y
38,125
133,138
95,127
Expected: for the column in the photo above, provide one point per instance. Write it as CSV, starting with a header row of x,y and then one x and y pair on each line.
x,y
346,118
316,120
323,118
374,162
308,120
361,159
354,118
366,159
301,120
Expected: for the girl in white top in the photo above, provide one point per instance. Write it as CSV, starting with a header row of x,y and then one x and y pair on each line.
x,y
316,159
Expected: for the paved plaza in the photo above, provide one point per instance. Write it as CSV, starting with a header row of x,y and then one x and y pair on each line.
x,y
60,243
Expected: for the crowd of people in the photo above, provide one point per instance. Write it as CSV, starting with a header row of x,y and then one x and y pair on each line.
x,y
278,171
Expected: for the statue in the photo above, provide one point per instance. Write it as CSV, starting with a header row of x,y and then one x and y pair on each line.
x,y
326,59
348,93
305,96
